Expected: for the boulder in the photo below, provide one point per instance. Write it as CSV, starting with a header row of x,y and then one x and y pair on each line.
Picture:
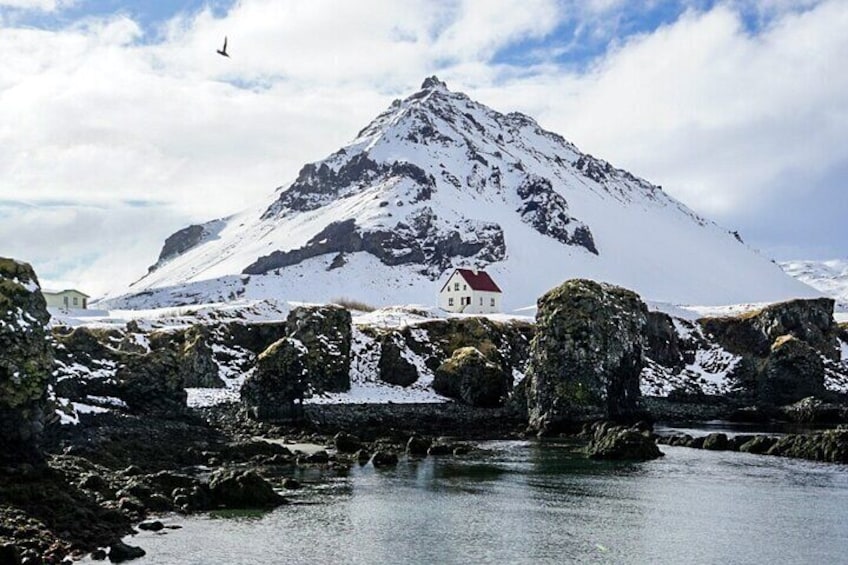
x,y
120,552
758,444
793,371
347,443
384,459
753,333
325,333
418,446
610,441
715,442
468,376
242,489
279,383
151,384
195,357
662,343
587,355
830,446
394,368
26,360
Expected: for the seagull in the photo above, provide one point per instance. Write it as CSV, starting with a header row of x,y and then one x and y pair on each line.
x,y
223,51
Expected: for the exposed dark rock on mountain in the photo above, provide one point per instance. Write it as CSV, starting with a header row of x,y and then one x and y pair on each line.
x,y
421,240
587,355
25,360
181,241
318,184
793,370
547,211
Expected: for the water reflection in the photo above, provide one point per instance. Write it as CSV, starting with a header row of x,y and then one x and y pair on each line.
x,y
533,502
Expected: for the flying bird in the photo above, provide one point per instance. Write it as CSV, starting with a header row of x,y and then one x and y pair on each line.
x,y
223,51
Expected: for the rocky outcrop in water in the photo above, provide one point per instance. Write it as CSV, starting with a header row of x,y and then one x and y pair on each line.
x,y
586,356
25,360
610,441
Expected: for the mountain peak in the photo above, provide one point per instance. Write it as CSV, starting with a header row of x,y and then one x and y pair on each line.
x,y
433,82
438,181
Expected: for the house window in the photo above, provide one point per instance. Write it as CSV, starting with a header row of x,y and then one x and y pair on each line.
x,y
456,286
493,302
75,301
450,301
481,301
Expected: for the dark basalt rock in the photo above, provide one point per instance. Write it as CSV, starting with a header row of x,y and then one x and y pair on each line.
x,y
120,552
178,243
715,442
829,446
587,355
318,184
753,333
195,357
471,378
662,342
758,444
242,489
418,446
151,384
393,366
547,212
26,360
277,387
420,240
384,459
325,332
347,443
622,443
792,371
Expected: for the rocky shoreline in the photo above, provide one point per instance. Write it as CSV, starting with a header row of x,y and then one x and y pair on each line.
x,y
98,435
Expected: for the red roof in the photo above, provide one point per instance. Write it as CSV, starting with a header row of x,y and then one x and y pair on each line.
x,y
479,280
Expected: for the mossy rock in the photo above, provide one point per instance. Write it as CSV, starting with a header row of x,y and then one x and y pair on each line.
x,y
586,356
468,376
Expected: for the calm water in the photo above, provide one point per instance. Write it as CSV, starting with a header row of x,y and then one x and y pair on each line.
x,y
528,502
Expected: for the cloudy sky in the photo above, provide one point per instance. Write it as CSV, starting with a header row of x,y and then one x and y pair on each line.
x,y
119,124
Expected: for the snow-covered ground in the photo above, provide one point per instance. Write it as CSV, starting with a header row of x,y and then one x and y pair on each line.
x,y
830,277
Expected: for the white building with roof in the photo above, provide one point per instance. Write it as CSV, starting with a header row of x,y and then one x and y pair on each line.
x,y
68,299
470,291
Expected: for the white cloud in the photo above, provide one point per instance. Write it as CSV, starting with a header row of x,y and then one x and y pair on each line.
x,y
41,5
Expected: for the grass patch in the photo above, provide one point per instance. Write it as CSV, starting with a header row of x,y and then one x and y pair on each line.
x,y
352,304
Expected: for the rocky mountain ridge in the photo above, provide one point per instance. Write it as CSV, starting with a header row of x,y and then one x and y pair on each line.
x,y
438,181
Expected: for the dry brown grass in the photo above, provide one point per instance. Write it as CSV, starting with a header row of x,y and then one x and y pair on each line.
x,y
352,304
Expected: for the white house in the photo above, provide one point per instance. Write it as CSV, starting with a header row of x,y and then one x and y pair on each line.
x,y
471,292
68,299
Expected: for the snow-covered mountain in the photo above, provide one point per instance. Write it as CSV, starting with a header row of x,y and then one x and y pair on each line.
x,y
829,277
437,181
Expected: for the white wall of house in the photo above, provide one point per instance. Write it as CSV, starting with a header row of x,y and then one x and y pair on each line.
x,y
66,299
458,296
